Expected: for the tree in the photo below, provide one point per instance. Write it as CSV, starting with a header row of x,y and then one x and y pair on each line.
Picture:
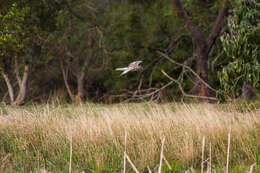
x,y
203,44
80,46
12,56
241,46
24,28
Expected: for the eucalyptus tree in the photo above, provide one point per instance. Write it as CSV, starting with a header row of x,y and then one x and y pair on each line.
x,y
242,48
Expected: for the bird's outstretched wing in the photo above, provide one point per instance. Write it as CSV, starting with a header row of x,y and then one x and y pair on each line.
x,y
126,71
121,69
135,63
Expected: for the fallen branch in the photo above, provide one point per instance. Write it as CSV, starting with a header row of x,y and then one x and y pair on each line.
x,y
182,90
146,93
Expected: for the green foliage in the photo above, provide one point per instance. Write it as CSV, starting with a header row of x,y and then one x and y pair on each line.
x,y
23,27
12,32
242,48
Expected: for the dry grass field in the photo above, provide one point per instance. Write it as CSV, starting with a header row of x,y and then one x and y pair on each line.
x,y
34,138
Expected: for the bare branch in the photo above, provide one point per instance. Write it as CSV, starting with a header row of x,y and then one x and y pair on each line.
x,y
182,90
146,93
187,67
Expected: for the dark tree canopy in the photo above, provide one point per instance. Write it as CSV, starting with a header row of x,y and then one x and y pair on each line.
x,y
208,50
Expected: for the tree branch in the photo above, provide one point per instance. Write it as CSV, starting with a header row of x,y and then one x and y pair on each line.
x,y
187,67
16,70
146,93
182,90
196,33
194,29
216,29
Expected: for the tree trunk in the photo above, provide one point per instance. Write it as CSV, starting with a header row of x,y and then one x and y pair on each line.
x,y
81,87
202,71
19,100
22,88
9,86
65,78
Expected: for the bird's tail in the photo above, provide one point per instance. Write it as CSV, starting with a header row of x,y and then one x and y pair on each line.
x,y
121,69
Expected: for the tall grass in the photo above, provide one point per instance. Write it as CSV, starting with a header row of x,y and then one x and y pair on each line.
x,y
36,137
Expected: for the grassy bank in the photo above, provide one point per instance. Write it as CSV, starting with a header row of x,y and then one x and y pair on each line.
x,y
37,137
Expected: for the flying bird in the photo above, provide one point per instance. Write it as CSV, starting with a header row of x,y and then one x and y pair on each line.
x,y
133,66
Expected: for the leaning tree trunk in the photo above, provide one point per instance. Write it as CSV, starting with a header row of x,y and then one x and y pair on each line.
x,y
22,87
203,44
22,83
65,79
9,86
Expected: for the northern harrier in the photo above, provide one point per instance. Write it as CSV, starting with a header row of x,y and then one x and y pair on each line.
x,y
134,66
